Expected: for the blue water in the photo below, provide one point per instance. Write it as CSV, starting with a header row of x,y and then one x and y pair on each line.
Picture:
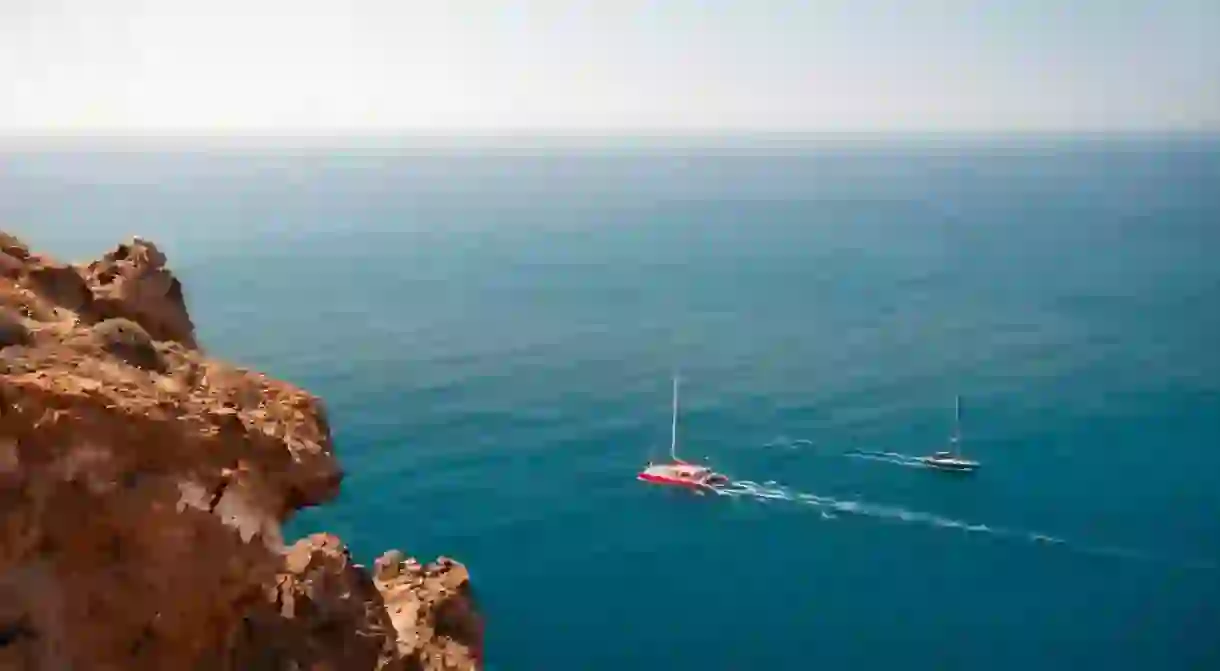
x,y
494,336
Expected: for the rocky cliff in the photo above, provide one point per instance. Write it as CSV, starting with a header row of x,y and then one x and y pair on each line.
x,y
143,486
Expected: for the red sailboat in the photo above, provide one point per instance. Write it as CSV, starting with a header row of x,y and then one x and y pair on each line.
x,y
679,473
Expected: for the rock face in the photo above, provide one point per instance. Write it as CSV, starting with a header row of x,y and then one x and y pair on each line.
x,y
142,490
133,282
431,611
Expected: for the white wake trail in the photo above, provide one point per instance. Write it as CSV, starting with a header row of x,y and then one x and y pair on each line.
x,y
896,458
790,443
772,491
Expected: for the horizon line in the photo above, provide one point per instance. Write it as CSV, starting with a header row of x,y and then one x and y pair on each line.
x,y
609,131
566,137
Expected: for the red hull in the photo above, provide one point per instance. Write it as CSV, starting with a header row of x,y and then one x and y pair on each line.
x,y
673,482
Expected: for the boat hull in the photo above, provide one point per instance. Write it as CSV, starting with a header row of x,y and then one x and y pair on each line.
x,y
952,466
681,474
674,482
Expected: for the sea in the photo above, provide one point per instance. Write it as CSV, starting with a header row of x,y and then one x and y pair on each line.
x,y
494,327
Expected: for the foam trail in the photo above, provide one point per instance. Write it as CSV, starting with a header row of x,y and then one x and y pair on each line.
x,y
896,458
772,491
790,443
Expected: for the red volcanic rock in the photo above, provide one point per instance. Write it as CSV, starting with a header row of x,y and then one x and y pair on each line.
x,y
59,284
321,612
132,282
142,489
433,612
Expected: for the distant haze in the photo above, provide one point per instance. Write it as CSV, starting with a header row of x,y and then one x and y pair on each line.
x,y
454,66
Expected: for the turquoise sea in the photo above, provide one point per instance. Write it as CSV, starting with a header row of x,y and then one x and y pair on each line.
x,y
494,330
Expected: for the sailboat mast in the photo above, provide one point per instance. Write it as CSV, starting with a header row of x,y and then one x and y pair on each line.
x,y
673,440
957,425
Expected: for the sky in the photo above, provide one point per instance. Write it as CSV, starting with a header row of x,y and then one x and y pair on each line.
x,y
452,66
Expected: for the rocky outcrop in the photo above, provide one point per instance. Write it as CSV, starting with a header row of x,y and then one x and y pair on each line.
x,y
431,610
322,611
132,282
142,490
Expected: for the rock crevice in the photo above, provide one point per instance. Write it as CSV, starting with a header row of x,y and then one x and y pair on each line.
x,y
142,490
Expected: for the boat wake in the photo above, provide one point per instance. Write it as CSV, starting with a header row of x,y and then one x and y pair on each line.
x,y
896,458
789,443
829,506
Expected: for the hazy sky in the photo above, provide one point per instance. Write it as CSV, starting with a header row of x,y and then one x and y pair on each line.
x,y
165,66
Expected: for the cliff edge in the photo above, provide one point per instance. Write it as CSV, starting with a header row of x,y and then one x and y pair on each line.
x,y
142,490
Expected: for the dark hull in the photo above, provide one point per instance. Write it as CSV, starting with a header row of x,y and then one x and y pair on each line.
x,y
960,467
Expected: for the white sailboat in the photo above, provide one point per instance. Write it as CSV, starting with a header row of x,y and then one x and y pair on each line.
x,y
951,459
